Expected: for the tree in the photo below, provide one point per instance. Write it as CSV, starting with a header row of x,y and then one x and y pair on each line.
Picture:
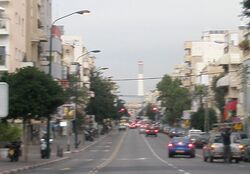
x,y
246,9
197,118
174,98
199,92
77,94
149,111
102,105
220,93
32,93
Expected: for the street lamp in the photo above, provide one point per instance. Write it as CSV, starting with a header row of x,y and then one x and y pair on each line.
x,y
92,51
76,105
50,69
82,12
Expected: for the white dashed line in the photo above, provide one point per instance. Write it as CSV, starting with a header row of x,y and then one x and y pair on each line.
x,y
162,160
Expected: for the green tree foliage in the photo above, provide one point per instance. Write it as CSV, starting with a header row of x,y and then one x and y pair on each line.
x,y
149,111
76,93
9,132
103,104
197,118
220,93
122,110
174,98
32,93
246,7
199,92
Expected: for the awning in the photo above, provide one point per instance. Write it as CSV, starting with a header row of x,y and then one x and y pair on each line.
x,y
2,9
229,59
224,60
223,81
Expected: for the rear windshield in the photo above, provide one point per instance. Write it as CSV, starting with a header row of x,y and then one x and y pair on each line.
x,y
218,140
178,139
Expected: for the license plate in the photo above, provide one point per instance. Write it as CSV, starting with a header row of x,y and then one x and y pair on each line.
x,y
179,151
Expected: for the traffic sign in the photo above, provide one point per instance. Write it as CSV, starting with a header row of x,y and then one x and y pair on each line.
x,y
4,99
238,126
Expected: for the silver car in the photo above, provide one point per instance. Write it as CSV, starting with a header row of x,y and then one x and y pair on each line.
x,y
214,149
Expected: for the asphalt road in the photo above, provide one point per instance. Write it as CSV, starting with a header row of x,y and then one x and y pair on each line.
x,y
129,152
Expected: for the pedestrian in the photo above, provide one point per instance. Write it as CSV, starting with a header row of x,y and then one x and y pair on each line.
x,y
227,142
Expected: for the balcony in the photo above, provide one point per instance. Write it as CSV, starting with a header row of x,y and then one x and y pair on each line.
x,y
188,45
39,36
4,26
188,58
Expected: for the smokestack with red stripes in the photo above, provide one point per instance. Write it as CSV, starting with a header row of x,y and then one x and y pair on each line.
x,y
140,79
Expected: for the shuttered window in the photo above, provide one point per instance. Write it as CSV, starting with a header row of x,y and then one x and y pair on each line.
x,y
2,55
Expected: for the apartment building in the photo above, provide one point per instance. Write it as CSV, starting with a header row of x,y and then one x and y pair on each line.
x,y
202,52
245,95
12,34
231,62
80,60
38,19
200,59
24,28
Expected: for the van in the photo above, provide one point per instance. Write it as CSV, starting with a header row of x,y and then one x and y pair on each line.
x,y
194,132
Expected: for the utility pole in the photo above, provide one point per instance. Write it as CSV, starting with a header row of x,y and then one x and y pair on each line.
x,y
206,119
245,93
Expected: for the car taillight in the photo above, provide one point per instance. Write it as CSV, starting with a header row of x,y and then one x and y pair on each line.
x,y
147,130
190,145
156,131
170,145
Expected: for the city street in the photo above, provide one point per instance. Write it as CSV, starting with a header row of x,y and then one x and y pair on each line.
x,y
128,152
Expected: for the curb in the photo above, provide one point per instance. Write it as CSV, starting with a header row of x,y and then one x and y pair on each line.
x,y
11,171
32,166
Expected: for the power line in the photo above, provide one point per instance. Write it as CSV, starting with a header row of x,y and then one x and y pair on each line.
x,y
188,75
131,79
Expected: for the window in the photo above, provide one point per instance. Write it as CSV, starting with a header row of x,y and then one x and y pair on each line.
x,y
2,55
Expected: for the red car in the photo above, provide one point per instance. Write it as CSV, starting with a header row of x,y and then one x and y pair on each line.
x,y
132,126
151,131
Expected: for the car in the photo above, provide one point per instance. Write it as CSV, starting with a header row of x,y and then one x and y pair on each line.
x,y
122,127
194,132
246,149
176,132
132,126
199,140
214,149
142,129
151,130
181,146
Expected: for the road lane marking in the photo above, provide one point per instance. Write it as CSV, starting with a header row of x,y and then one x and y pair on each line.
x,y
94,150
200,156
132,159
162,160
65,169
114,154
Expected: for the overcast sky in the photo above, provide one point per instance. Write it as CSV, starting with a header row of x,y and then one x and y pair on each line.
x,y
153,31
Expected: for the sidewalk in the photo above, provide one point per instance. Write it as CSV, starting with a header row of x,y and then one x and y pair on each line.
x,y
34,156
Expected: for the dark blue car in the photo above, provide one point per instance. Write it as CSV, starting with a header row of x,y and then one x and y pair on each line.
x,y
181,146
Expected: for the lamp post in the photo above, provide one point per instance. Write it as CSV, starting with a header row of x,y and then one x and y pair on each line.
x,y
76,105
92,51
50,70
